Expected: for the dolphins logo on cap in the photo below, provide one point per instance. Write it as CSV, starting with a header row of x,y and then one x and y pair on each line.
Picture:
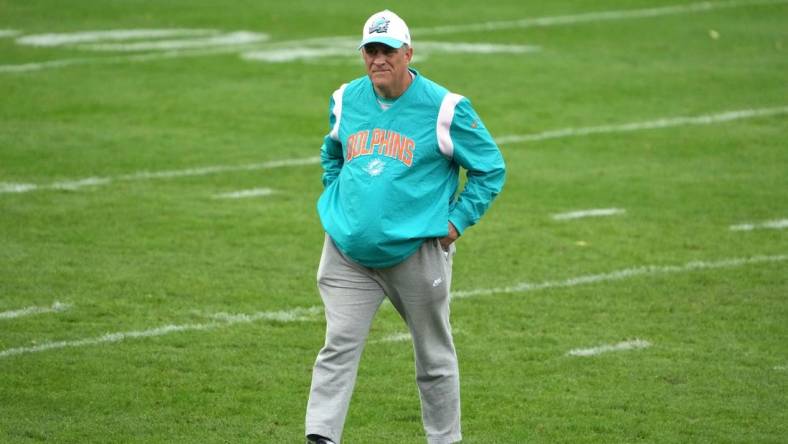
x,y
380,25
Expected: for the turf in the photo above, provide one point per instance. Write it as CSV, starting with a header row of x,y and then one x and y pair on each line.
x,y
135,253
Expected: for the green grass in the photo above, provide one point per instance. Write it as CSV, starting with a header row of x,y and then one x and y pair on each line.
x,y
134,255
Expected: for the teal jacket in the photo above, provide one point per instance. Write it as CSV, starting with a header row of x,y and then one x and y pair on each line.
x,y
391,176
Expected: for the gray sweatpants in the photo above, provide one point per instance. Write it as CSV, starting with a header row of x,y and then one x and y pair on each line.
x,y
419,289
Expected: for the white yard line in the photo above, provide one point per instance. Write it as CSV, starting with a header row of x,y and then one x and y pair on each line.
x,y
569,132
348,49
621,346
217,169
80,183
38,66
297,45
600,212
295,315
401,337
7,187
153,175
665,122
477,48
56,307
310,313
396,337
223,320
146,57
8,33
772,224
84,37
590,17
231,39
626,273
243,194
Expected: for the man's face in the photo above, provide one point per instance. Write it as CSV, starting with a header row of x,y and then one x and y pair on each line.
x,y
387,67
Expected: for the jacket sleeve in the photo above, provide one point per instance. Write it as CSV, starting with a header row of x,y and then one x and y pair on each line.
x,y
331,156
475,150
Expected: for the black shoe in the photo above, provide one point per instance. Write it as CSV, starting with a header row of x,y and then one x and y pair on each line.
x,y
317,439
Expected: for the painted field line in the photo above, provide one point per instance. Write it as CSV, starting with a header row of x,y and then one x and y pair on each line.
x,y
401,337
146,57
84,37
38,66
8,33
242,194
56,307
396,337
621,346
307,314
232,39
781,368
569,132
626,273
772,224
348,49
561,20
205,171
7,187
222,320
599,212
590,17
665,122
295,315
153,175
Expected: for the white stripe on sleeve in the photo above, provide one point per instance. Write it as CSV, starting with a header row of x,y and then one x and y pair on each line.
x,y
445,116
337,96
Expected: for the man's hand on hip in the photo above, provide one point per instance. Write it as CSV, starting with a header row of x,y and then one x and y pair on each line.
x,y
450,238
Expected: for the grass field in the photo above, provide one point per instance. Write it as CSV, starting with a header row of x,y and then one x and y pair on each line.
x,y
159,239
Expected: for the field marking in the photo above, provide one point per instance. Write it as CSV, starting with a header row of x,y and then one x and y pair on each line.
x,y
589,17
295,315
396,337
621,346
296,45
7,187
772,224
222,320
665,122
781,368
38,66
209,170
8,33
401,337
348,48
600,212
227,39
154,175
84,37
569,132
56,307
309,313
242,194
145,57
626,273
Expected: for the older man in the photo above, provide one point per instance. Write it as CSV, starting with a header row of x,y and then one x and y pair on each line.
x,y
391,215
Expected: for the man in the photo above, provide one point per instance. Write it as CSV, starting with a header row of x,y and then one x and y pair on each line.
x,y
391,163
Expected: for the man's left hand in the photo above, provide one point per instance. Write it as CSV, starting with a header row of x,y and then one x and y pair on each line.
x,y
450,238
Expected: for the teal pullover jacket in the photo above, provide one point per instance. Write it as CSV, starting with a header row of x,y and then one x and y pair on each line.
x,y
391,176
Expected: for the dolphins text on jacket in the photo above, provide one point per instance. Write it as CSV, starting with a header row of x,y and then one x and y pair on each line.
x,y
387,143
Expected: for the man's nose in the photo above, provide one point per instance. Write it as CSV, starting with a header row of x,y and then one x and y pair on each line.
x,y
379,58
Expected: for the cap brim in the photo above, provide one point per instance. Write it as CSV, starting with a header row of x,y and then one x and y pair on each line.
x,y
388,41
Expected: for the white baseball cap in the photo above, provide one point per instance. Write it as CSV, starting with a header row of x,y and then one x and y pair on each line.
x,y
387,28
